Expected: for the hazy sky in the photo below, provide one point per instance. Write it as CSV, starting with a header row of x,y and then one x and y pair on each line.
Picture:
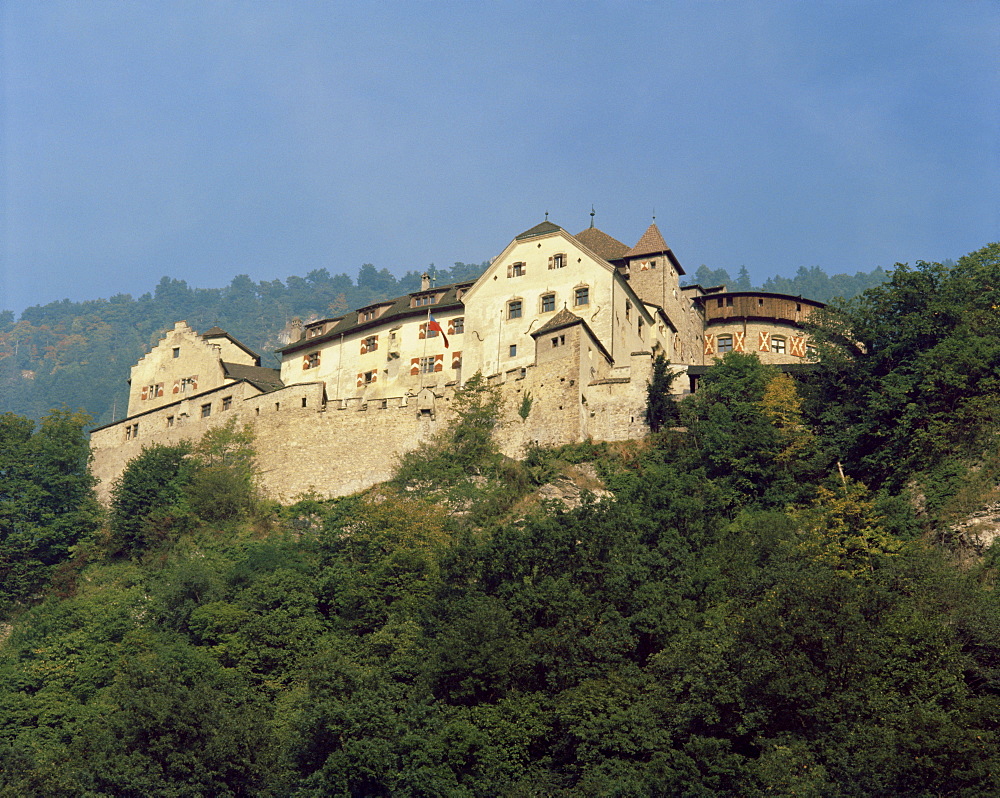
x,y
201,140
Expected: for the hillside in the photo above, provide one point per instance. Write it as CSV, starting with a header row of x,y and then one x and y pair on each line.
x,y
763,602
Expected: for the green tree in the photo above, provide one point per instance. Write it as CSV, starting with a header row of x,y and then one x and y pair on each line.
x,y
222,485
147,497
47,503
661,409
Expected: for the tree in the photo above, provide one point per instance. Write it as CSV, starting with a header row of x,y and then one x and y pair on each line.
x,y
46,497
146,495
661,409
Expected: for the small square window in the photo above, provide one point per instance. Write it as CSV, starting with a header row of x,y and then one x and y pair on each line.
x,y
458,325
725,343
513,350
206,410
516,270
170,421
559,340
227,402
778,345
177,351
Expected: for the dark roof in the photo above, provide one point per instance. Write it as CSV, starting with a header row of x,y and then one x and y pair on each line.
x,y
218,332
539,230
264,379
399,309
721,291
565,319
600,243
562,319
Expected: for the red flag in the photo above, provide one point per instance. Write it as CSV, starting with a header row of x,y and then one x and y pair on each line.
x,y
432,324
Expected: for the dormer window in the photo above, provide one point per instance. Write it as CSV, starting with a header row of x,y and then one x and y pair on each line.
x,y
367,315
314,332
421,301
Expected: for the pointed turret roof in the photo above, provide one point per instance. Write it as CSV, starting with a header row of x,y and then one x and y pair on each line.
x,y
651,243
538,230
600,243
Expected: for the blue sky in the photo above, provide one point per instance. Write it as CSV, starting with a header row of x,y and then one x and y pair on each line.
x,y
204,140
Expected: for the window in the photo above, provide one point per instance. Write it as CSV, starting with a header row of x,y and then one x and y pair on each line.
x,y
315,332
366,315
370,377
778,344
581,296
559,340
719,301
516,270
311,360
725,343
628,310
131,431
652,264
305,402
514,309
513,350
206,410
458,325
227,402
177,351
170,421
370,344
729,301
548,303
760,303
640,327
557,261
427,365
189,384
420,301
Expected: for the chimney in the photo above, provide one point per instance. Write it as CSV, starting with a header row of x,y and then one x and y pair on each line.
x,y
425,281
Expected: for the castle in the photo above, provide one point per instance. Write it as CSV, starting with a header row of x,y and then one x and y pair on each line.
x,y
568,325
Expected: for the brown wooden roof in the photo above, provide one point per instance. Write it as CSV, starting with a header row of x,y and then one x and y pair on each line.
x,y
600,243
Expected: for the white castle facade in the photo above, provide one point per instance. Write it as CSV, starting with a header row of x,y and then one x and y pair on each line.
x,y
567,325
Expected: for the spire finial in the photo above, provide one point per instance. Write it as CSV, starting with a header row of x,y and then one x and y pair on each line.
x,y
546,215
591,216
654,215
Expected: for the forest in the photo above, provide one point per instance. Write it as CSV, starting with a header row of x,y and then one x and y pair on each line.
x,y
78,354
766,597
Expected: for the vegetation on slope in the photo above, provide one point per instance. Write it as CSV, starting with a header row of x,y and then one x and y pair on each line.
x,y
739,619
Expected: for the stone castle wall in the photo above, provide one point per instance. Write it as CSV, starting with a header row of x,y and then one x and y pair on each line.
x,y
306,445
